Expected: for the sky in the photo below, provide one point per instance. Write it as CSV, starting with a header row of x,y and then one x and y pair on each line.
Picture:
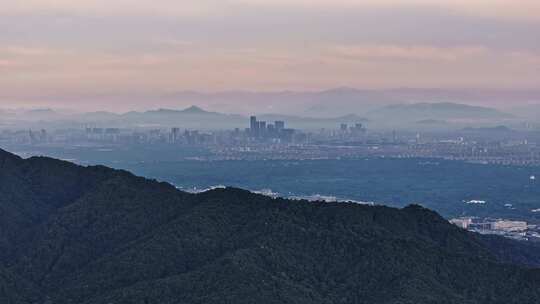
x,y
81,53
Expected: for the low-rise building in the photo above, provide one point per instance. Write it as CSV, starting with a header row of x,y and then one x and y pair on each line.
x,y
509,225
463,222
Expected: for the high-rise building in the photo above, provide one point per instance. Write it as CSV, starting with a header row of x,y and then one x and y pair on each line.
x,y
175,134
343,127
262,127
254,125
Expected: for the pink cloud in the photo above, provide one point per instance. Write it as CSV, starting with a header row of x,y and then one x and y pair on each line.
x,y
397,52
9,63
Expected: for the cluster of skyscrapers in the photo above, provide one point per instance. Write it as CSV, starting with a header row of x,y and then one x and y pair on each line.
x,y
260,129
356,128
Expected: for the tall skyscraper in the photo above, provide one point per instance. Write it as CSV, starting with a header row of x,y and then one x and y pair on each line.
x,y
175,134
262,127
253,123
279,125
254,126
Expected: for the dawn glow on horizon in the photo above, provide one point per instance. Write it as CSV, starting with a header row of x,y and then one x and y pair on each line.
x,y
54,50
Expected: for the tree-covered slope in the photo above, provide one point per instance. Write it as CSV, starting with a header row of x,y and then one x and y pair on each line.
x,y
72,234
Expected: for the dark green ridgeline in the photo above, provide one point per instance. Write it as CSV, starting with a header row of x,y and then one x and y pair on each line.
x,y
70,234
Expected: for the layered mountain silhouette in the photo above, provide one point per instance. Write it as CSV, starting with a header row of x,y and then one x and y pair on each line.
x,y
403,113
193,117
307,110
72,234
196,117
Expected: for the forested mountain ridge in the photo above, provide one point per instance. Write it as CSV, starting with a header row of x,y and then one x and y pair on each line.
x,y
71,234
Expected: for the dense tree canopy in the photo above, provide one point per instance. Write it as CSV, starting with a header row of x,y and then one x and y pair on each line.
x,y
71,234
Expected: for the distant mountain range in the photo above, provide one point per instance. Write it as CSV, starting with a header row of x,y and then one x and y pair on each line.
x,y
329,103
432,113
192,117
72,234
530,112
393,114
413,115
344,100
326,103
196,117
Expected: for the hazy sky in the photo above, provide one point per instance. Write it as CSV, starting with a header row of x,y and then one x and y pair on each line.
x,y
54,50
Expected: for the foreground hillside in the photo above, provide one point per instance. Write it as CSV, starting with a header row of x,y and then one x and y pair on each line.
x,y
70,234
